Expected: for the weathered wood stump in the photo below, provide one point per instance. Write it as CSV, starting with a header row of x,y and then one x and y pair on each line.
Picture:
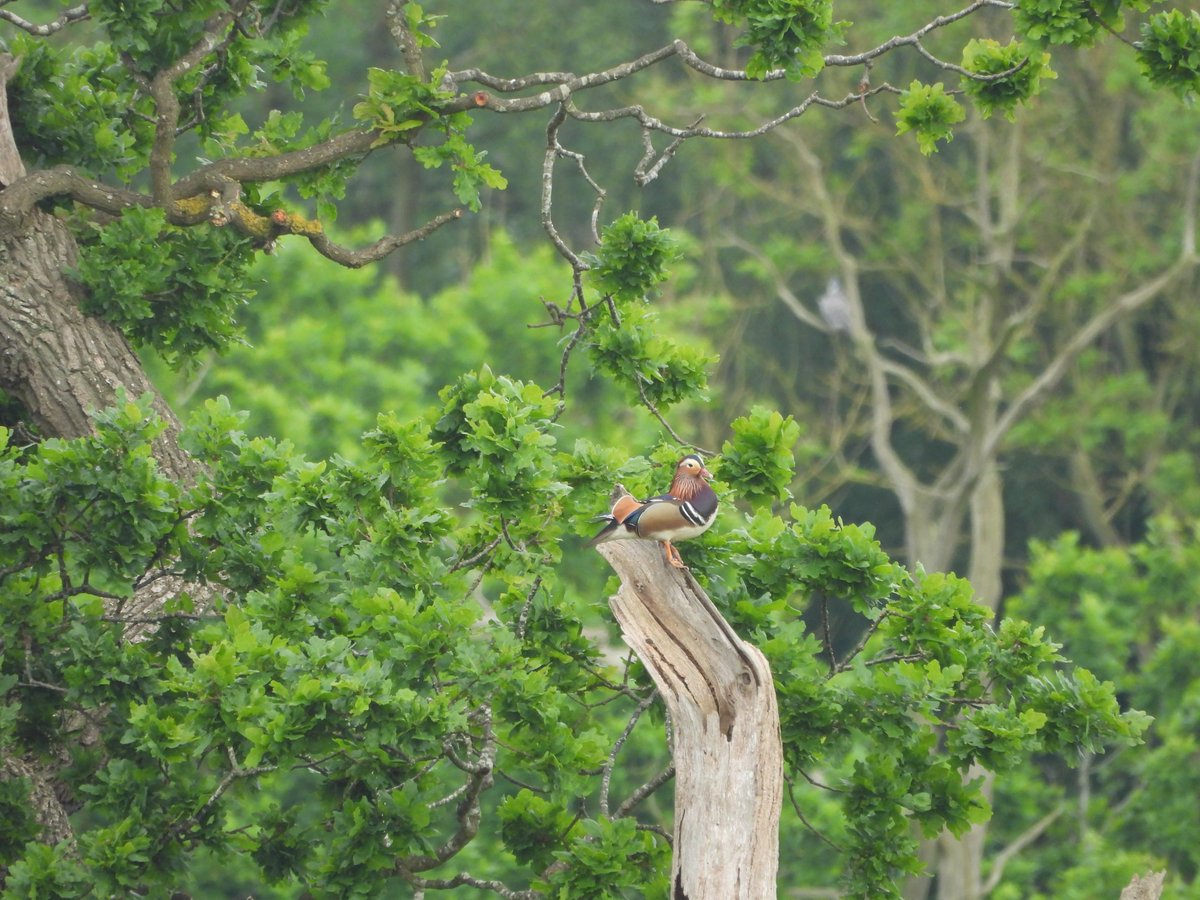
x,y
727,753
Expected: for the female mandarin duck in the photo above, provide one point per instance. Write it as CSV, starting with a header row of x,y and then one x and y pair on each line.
x,y
685,511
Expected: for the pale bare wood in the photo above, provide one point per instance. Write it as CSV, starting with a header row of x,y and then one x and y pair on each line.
x,y
1146,887
11,167
727,751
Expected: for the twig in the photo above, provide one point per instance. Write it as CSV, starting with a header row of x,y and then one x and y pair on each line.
x,y
644,791
804,819
523,618
610,763
445,884
827,637
471,560
646,401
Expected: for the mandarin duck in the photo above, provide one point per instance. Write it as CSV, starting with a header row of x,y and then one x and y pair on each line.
x,y
685,511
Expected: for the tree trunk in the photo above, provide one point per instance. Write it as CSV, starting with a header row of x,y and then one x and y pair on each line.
x,y
57,362
728,755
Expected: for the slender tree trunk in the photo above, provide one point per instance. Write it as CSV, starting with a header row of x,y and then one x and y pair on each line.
x,y
728,754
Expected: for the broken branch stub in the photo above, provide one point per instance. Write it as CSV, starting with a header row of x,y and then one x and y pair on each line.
x,y
727,753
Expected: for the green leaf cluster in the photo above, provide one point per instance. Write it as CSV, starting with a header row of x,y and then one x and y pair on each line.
x,y
354,667
929,113
987,57
1127,614
784,34
633,258
626,340
637,356
498,433
398,106
1169,54
178,293
348,659
1076,23
609,858
79,108
155,34
757,462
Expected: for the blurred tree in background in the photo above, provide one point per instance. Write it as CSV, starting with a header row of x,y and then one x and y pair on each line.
x,y
268,654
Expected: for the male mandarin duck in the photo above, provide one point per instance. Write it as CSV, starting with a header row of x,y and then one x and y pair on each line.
x,y
685,511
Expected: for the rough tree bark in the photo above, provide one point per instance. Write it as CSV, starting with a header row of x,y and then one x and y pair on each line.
x,y
727,751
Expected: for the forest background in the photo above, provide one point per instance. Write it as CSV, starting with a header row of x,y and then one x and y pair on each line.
x,y
986,352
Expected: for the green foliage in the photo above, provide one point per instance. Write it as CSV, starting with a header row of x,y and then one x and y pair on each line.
x,y
83,107
367,651
533,829
610,857
154,40
633,257
628,344
929,113
367,345
784,34
640,359
991,58
399,105
1076,23
79,108
497,432
931,663
279,133
356,651
757,463
1126,613
178,292
98,501
1170,50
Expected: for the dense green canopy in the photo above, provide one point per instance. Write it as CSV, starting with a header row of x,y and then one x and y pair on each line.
x,y
423,283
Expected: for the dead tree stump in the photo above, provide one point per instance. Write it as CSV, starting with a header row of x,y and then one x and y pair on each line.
x,y
727,751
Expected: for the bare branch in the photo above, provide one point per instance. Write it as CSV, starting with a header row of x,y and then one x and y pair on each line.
x,y
649,404
166,103
553,151
1019,843
644,791
444,884
404,38
926,393
355,259
480,777
19,198
915,38
1053,373
782,290
234,773
791,792
66,17
244,169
